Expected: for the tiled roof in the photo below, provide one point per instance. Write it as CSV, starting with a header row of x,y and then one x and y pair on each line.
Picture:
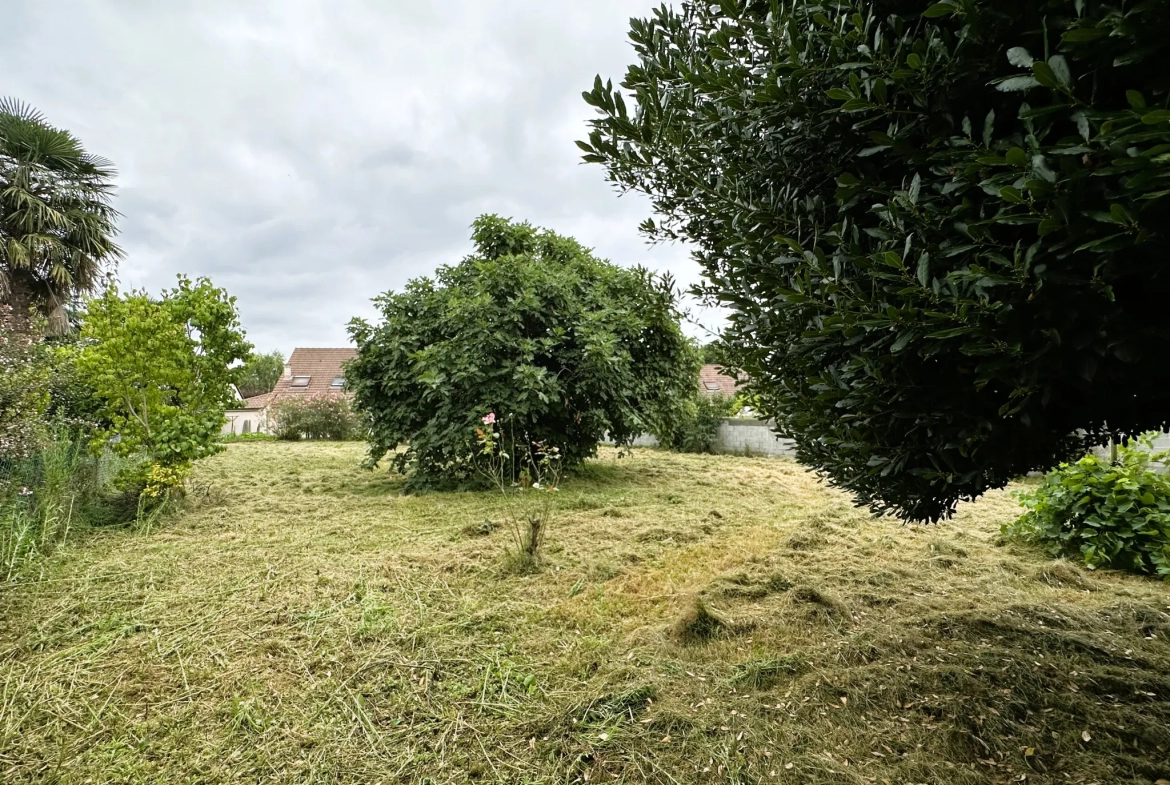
x,y
712,381
322,366
255,402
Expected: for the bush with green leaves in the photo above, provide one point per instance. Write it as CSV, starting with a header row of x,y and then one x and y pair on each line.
x,y
696,429
162,369
1107,513
941,229
322,416
563,346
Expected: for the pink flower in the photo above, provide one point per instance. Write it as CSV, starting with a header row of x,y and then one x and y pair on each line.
x,y
490,418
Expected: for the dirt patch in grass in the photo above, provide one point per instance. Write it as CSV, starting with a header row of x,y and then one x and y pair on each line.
x,y
305,622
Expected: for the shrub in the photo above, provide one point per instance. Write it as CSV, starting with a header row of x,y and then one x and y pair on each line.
x,y
321,416
1110,514
942,235
57,488
161,368
696,429
561,345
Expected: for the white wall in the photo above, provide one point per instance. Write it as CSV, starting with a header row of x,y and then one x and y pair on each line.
x,y
739,436
256,421
743,436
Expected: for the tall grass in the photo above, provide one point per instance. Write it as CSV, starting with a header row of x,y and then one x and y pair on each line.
x,y
47,495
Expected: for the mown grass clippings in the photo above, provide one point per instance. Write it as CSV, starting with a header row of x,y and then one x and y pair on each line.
x,y
306,622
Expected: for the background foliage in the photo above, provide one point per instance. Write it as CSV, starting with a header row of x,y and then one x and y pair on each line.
x,y
942,234
315,417
259,374
696,429
24,388
563,346
161,368
1108,514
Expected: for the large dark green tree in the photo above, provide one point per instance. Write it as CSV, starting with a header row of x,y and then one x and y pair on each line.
x,y
941,228
56,220
562,347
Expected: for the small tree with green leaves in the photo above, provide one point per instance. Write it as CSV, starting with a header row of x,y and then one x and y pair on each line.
x,y
562,346
162,370
941,228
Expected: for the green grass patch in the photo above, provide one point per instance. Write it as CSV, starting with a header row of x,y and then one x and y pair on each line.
x,y
303,621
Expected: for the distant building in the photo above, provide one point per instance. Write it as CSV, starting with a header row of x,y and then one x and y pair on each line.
x,y
308,373
713,380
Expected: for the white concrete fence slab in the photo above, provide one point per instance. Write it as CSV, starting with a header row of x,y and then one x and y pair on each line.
x,y
740,436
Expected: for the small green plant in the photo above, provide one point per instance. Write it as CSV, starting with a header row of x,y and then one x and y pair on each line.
x,y
1107,513
527,474
316,417
696,429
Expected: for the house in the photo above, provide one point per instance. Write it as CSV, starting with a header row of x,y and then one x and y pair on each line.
x,y
308,373
714,381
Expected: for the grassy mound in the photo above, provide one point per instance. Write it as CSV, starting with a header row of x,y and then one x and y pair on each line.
x,y
306,623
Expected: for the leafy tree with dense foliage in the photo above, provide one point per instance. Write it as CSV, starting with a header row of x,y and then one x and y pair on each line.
x,y
260,374
56,221
561,346
162,370
941,229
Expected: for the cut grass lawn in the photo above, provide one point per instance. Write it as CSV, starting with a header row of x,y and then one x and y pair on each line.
x,y
696,619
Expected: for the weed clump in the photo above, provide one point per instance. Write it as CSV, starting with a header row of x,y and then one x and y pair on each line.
x,y
699,624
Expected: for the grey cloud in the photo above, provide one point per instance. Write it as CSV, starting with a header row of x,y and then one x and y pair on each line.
x,y
308,156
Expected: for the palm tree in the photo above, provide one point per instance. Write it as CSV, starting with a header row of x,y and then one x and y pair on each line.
x,y
56,221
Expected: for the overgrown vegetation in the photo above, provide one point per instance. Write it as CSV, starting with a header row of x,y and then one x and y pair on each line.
x,y
24,387
322,416
309,623
941,235
562,345
1103,512
161,368
695,430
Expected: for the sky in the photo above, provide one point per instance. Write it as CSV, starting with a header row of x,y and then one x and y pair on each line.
x,y
309,155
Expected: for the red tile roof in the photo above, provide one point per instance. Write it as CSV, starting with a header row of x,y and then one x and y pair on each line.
x,y
713,381
255,402
322,366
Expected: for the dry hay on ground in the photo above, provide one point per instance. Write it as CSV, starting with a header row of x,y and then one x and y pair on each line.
x,y
307,623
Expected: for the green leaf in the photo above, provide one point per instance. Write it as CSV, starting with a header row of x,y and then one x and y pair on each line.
x,y
1020,57
1157,116
1018,84
837,94
939,9
1059,66
988,128
879,90
1012,195
1017,157
914,61
1082,34
1136,100
1120,215
1044,74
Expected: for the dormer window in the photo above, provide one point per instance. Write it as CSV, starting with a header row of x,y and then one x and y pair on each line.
x,y
301,381
337,382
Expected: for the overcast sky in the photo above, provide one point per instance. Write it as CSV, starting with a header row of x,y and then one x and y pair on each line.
x,y
308,155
